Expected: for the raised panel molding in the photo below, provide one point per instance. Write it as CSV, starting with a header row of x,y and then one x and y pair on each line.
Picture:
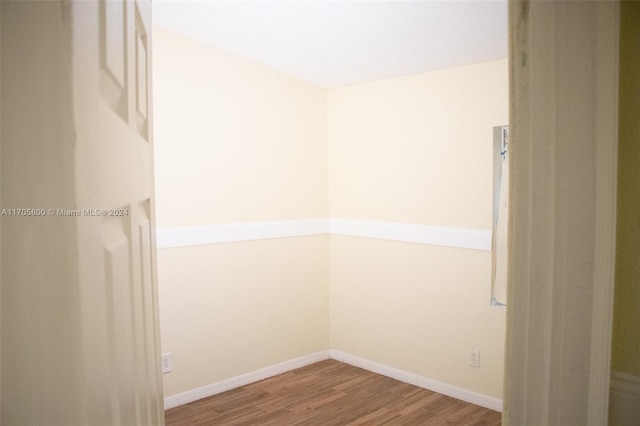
x,y
114,37
478,239
141,72
117,255
113,56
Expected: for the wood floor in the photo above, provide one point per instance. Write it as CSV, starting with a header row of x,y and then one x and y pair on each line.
x,y
330,393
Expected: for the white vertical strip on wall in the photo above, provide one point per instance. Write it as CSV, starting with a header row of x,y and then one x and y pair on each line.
x,y
478,239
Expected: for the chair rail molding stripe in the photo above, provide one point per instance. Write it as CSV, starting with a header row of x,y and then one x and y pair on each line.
x,y
423,382
478,239
244,379
232,232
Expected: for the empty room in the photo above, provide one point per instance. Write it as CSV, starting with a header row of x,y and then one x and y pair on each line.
x,y
335,202
296,212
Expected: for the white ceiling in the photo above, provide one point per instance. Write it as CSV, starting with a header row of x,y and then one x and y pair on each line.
x,y
335,43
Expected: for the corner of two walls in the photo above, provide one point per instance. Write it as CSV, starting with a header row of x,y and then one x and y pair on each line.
x,y
238,142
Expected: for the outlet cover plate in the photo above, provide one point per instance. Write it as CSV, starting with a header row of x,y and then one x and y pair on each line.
x,y
167,366
474,358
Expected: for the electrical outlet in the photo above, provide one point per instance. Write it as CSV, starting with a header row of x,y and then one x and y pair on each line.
x,y
474,358
166,363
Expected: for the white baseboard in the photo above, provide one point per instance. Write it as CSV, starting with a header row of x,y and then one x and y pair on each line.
x,y
394,373
624,399
243,379
423,382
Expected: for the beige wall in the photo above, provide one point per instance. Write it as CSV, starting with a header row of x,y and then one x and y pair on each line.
x,y
230,309
417,149
237,142
626,331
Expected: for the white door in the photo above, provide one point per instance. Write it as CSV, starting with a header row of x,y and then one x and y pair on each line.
x,y
116,237
79,304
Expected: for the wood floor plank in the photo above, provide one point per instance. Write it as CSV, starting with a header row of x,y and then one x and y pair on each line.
x,y
330,393
318,401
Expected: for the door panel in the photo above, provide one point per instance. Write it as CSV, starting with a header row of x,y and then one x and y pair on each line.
x,y
79,301
114,173
113,55
116,272
115,39
141,77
